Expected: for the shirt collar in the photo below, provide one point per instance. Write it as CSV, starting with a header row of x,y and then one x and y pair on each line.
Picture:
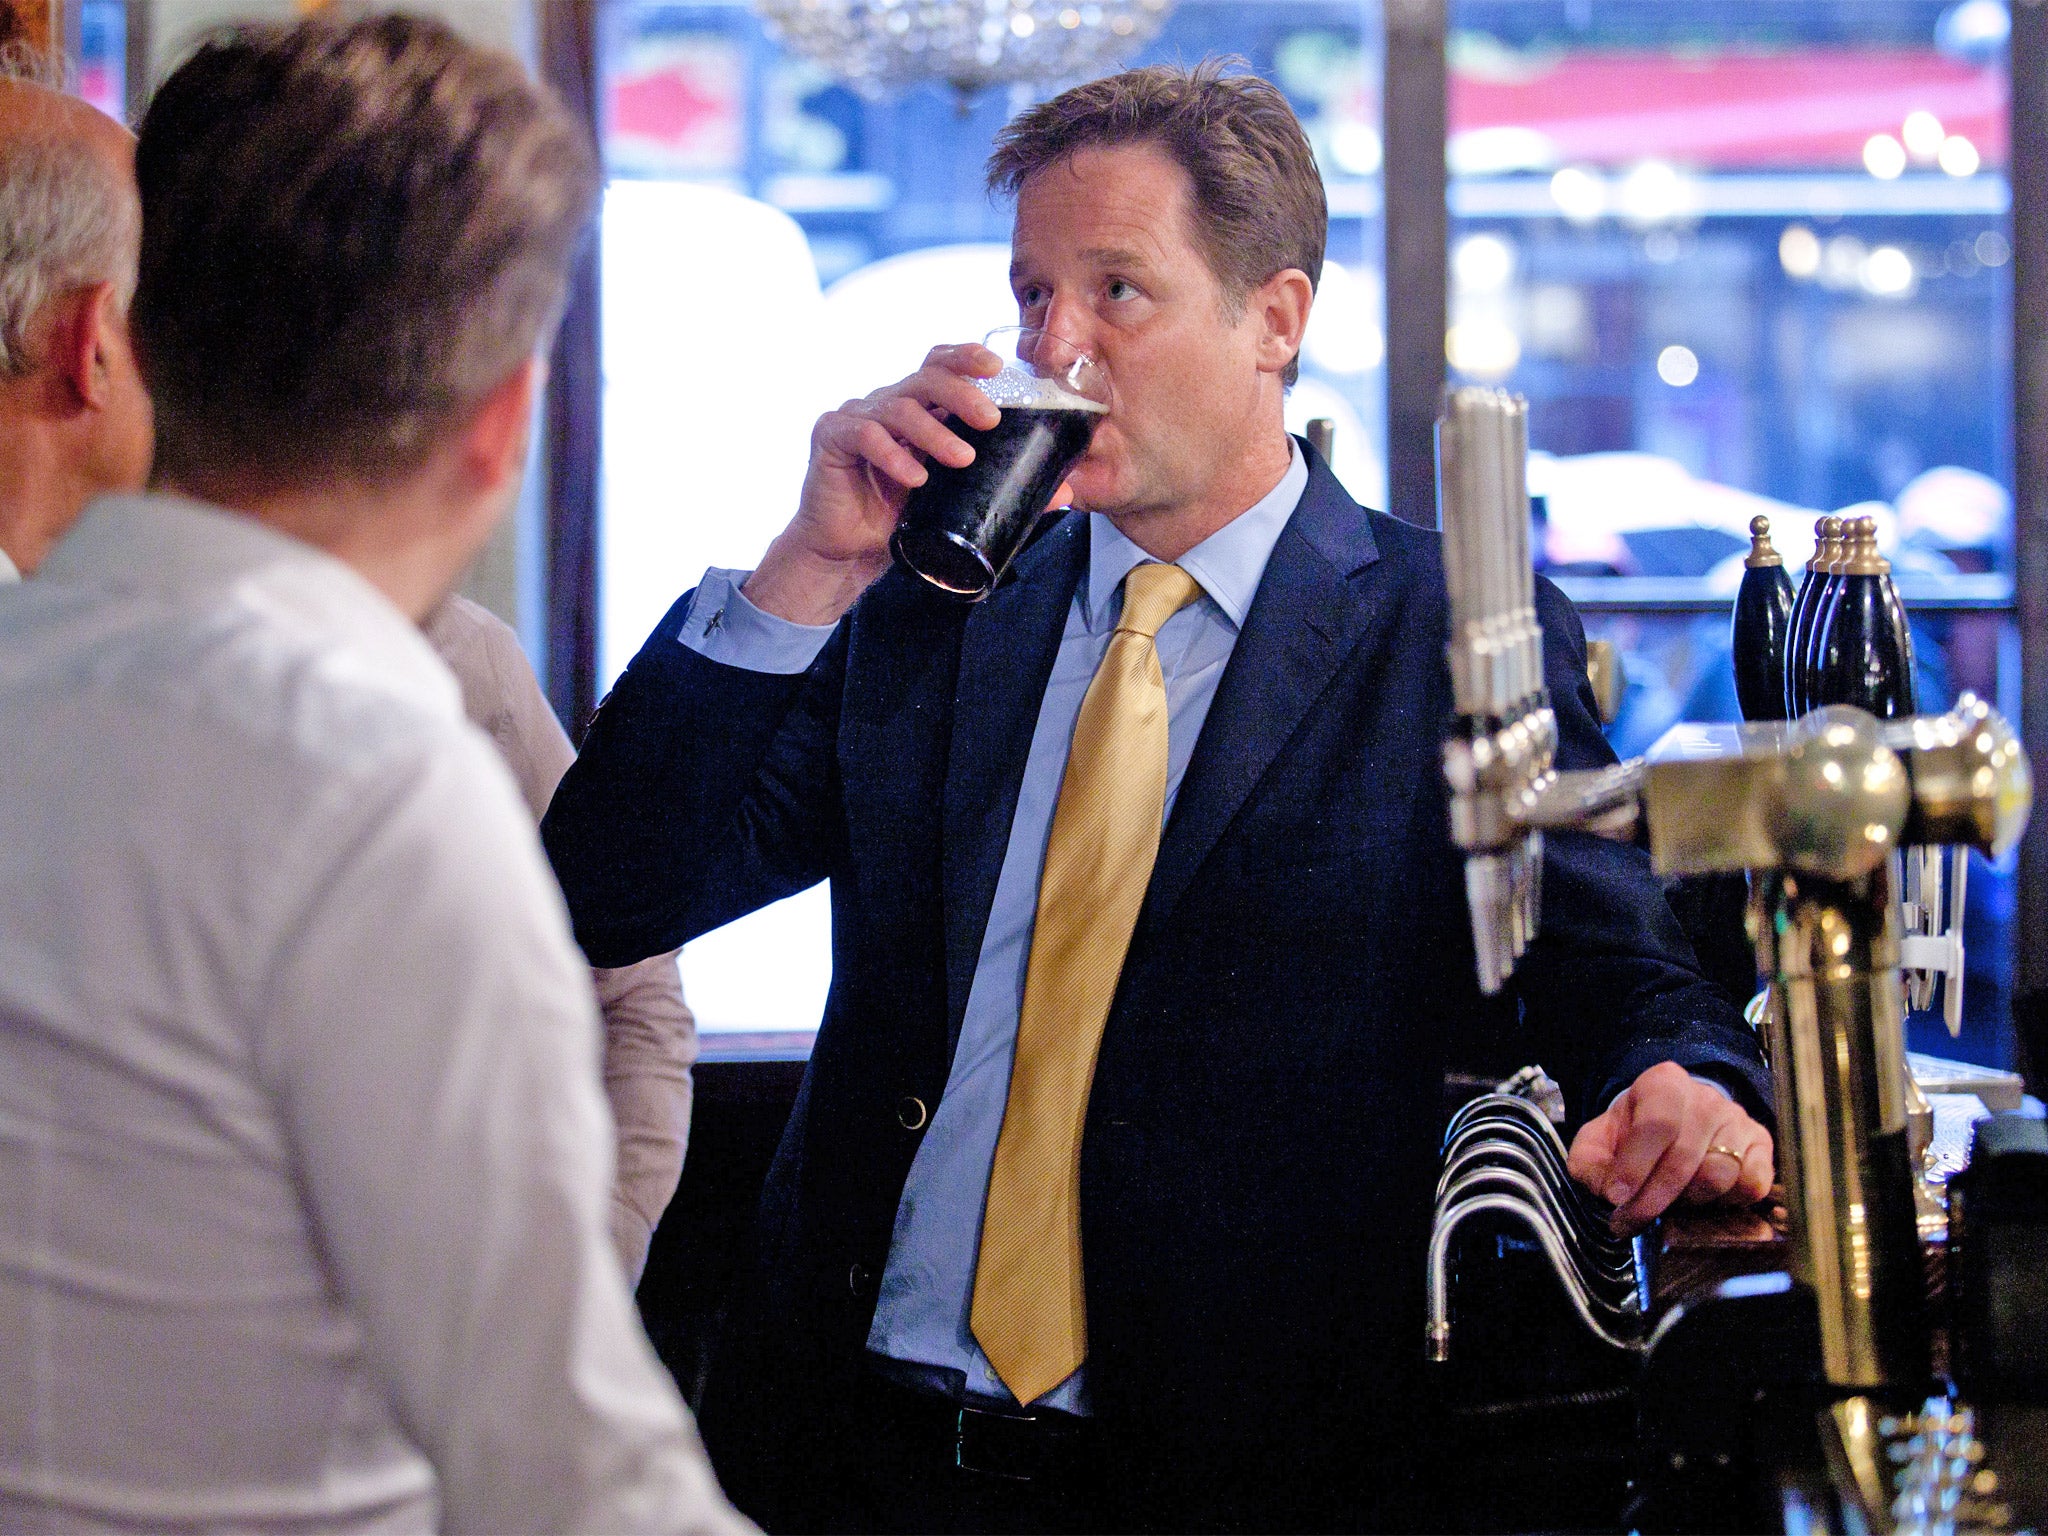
x,y
167,546
1229,564
9,574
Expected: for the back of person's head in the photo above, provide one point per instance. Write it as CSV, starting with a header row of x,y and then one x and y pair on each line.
x,y
351,234
1257,198
68,218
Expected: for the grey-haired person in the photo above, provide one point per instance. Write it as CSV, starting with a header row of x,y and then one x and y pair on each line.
x,y
74,417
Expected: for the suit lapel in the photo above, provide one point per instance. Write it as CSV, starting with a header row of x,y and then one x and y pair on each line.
x,y
1308,616
1006,655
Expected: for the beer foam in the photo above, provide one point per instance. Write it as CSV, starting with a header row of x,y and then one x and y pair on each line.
x,y
1027,391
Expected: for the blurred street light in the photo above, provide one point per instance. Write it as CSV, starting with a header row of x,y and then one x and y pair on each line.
x,y
1799,251
1884,157
1959,156
1678,366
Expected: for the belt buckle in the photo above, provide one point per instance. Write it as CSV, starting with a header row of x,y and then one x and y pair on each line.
x,y
978,1444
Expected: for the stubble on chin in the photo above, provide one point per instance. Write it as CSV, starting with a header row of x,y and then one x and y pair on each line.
x,y
1122,494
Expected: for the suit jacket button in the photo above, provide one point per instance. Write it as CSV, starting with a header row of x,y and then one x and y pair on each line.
x,y
860,1279
911,1113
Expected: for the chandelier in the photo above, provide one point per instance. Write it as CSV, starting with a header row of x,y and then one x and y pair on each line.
x,y
877,46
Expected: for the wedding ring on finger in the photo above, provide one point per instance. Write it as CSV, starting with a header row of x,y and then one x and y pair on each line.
x,y
1727,1152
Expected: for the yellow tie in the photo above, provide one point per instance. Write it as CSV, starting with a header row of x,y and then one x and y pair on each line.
x,y
1029,1316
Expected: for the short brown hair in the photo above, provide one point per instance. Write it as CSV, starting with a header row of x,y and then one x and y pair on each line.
x,y
350,235
1258,197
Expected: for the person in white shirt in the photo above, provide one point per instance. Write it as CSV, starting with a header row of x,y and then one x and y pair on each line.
x,y
304,1161
650,1039
74,418
75,423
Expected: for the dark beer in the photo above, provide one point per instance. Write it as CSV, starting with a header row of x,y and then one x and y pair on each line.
x,y
960,528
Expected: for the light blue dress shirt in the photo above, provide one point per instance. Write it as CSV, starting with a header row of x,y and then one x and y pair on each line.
x,y
921,1316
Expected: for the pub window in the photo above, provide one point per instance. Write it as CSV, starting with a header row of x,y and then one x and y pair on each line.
x,y
1751,259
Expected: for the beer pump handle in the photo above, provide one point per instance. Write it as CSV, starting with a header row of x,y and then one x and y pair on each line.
x,y
1758,629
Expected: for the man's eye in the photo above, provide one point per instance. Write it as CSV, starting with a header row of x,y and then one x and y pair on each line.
x,y
1030,298
1120,290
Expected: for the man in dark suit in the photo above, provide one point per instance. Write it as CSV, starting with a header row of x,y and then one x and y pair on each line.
x,y
1206,1059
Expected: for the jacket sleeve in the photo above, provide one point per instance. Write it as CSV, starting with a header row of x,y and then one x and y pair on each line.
x,y
1611,987
703,791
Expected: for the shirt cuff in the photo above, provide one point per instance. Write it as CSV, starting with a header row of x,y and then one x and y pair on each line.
x,y
723,626
1714,1083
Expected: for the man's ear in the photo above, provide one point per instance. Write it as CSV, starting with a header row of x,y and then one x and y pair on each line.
x,y
80,345
493,446
1281,303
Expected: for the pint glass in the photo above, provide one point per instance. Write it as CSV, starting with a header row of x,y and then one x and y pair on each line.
x,y
961,527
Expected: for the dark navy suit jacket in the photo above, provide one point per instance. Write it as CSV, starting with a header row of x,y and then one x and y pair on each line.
x,y
1260,1147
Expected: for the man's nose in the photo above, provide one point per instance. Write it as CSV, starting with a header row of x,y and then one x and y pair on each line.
x,y
1069,318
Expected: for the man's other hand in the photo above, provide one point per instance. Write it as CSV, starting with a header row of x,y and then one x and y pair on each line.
x,y
1668,1136
866,458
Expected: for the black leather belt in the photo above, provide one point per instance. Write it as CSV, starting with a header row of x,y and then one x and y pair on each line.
x,y
1041,1446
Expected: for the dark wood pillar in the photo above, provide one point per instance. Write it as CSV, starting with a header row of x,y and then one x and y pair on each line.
x,y
570,62
1417,224
2030,476
141,25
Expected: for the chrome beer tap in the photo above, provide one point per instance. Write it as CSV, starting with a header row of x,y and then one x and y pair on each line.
x,y
1506,741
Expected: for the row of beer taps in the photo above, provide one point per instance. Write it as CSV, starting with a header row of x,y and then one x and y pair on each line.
x,y
1825,813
